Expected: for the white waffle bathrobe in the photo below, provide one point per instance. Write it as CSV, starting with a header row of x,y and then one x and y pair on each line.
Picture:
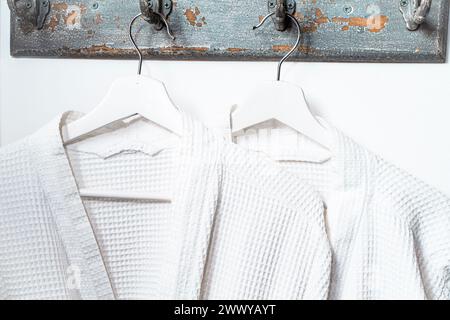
x,y
238,227
389,232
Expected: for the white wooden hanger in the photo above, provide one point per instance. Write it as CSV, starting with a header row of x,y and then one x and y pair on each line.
x,y
282,101
128,97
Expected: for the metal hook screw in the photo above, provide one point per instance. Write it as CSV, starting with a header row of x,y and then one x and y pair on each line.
x,y
348,9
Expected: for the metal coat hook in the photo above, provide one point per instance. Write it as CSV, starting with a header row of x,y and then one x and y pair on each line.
x,y
156,12
415,12
282,9
297,24
130,34
30,12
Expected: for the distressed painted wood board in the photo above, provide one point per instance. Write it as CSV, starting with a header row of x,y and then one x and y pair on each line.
x,y
372,31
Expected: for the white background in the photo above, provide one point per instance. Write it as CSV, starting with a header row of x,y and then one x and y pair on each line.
x,y
401,112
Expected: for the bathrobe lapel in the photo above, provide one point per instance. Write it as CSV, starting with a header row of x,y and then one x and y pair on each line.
x,y
194,211
194,207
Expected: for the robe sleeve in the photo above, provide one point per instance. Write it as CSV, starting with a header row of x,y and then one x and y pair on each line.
x,y
426,213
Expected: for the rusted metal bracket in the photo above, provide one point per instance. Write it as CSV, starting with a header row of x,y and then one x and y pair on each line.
x,y
30,13
281,8
415,12
153,10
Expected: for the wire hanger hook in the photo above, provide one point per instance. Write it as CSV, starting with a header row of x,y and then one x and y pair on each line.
x,y
130,34
280,64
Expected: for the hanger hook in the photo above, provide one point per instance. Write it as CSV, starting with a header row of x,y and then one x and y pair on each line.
x,y
280,64
130,33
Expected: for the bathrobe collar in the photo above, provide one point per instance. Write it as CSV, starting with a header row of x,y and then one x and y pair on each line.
x,y
194,202
351,184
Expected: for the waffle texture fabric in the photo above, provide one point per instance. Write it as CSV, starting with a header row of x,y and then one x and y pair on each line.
x,y
238,226
389,232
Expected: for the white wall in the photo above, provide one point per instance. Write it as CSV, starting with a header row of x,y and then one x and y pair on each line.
x,y
401,112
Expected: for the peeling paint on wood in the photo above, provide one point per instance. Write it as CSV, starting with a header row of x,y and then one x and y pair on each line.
x,y
194,18
236,49
187,49
372,24
374,31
